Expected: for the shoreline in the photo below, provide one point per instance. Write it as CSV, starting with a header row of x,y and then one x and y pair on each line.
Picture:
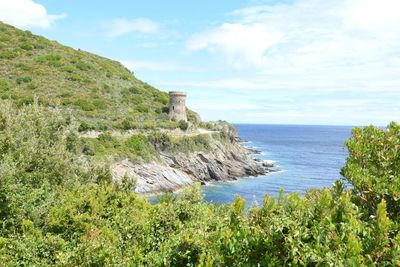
x,y
227,160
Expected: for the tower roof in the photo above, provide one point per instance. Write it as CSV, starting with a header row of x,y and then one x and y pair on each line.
x,y
177,93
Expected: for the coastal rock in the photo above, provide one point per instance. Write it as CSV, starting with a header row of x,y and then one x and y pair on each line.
x,y
224,161
152,177
268,163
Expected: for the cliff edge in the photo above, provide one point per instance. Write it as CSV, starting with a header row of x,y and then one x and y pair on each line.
x,y
224,159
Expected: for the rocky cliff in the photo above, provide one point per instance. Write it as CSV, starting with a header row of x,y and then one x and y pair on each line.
x,y
226,159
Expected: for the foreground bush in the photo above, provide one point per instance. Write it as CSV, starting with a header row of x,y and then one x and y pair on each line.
x,y
373,167
54,213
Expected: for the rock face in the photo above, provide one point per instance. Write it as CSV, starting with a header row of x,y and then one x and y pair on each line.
x,y
153,177
225,161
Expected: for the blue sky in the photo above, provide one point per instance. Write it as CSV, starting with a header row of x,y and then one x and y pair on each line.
x,y
250,61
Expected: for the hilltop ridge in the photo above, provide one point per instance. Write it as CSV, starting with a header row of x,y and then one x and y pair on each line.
x,y
101,93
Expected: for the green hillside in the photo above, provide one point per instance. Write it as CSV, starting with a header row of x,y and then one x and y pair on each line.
x,y
101,93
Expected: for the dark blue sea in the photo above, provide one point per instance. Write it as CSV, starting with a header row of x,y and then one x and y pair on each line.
x,y
308,157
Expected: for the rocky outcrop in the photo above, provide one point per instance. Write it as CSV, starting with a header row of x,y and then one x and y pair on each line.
x,y
152,177
225,160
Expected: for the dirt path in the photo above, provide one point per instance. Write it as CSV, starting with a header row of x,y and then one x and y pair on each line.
x,y
126,134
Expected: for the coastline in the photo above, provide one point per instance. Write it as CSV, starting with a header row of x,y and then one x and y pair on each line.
x,y
226,161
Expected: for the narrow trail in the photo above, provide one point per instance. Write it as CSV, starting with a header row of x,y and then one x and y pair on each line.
x,y
126,134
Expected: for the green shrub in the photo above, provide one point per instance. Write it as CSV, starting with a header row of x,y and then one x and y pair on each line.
x,y
187,144
132,90
4,87
139,146
76,78
149,125
125,76
41,42
26,46
50,59
163,99
183,125
82,66
23,67
160,141
85,105
84,126
23,101
7,54
24,79
31,86
99,104
373,167
88,149
128,124
33,158
68,69
142,108
105,137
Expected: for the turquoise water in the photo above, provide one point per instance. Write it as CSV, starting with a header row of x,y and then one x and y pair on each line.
x,y
309,157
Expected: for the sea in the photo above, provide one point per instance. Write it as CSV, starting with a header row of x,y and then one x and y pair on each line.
x,y
306,157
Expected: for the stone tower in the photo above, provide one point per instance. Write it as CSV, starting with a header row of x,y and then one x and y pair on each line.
x,y
177,106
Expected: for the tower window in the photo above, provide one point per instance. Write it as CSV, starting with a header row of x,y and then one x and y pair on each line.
x,y
173,107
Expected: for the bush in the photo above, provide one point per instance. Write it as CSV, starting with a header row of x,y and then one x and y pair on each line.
x,y
33,159
85,126
24,101
85,105
25,79
4,87
82,66
187,144
31,86
373,167
139,147
7,54
100,104
53,213
193,117
50,59
149,125
126,76
26,46
160,141
142,108
128,124
68,69
183,125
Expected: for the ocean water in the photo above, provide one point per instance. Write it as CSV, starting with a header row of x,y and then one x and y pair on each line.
x,y
308,157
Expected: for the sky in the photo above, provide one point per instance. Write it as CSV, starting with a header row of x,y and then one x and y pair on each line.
x,y
328,62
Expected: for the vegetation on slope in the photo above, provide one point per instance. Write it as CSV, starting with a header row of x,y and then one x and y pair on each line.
x,y
100,92
56,209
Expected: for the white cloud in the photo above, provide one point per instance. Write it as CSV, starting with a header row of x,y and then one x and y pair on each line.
x,y
145,65
118,27
243,45
382,15
312,44
156,66
26,14
217,84
314,33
